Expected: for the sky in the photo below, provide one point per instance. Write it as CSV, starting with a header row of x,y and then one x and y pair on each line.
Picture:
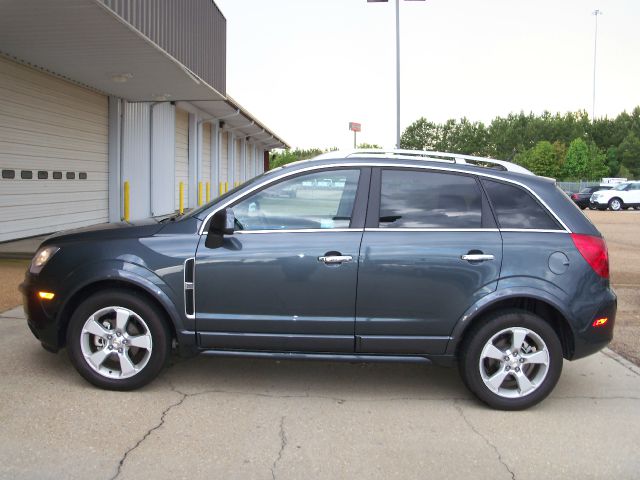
x,y
306,68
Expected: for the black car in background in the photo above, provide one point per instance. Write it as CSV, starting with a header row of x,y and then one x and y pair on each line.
x,y
581,198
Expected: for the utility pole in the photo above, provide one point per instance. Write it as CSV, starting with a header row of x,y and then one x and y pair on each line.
x,y
596,13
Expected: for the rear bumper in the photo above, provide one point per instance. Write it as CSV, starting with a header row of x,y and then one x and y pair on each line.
x,y
591,338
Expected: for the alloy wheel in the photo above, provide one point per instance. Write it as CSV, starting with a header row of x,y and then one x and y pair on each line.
x,y
514,362
116,342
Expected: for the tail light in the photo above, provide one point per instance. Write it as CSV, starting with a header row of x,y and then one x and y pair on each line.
x,y
574,196
594,251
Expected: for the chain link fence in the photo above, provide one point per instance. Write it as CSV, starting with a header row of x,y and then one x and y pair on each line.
x,y
574,187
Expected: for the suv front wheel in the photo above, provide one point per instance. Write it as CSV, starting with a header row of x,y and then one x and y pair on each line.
x,y
118,341
512,360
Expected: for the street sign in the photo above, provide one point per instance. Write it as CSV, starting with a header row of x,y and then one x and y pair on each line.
x,y
355,127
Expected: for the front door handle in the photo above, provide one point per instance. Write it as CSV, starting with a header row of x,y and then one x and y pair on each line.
x,y
477,257
335,259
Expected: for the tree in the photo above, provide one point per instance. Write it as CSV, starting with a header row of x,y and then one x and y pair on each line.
x,y
577,161
542,160
277,159
420,135
596,166
369,146
629,154
612,161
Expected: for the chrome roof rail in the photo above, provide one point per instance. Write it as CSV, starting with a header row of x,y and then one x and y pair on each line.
x,y
429,155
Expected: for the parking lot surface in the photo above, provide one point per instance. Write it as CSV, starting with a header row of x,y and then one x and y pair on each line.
x,y
261,419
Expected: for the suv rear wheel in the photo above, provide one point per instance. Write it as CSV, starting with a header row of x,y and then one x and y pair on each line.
x,y
117,341
512,360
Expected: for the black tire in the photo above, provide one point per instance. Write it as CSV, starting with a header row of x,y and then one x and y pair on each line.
x,y
592,207
582,207
488,328
615,204
152,326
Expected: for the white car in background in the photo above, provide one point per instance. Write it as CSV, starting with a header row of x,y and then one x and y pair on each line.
x,y
621,197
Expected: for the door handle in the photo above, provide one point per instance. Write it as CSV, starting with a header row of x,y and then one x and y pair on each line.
x,y
335,259
476,257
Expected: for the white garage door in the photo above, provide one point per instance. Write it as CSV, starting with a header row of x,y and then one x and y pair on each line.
x,y
182,156
53,153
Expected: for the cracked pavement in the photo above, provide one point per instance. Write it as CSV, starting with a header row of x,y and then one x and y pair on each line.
x,y
263,419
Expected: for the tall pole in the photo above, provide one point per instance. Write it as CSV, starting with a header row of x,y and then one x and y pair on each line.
x,y
596,13
397,73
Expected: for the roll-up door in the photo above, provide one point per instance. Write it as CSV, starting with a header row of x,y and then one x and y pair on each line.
x,y
205,176
53,153
237,172
224,161
182,156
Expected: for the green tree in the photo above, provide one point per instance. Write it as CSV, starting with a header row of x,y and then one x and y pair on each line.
x,y
369,146
577,161
613,163
597,165
629,154
542,160
277,159
420,135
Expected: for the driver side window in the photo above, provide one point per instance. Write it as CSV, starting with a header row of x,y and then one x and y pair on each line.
x,y
320,200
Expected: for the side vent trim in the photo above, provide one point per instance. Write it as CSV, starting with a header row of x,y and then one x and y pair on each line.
x,y
189,290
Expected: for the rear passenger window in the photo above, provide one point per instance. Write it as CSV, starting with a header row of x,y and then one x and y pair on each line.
x,y
411,199
516,208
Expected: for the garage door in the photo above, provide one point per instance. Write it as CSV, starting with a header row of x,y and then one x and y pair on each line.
x,y
182,156
205,176
53,153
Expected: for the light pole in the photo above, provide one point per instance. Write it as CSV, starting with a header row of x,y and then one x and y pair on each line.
x,y
596,13
397,65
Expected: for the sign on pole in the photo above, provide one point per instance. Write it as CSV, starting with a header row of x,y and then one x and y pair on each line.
x,y
355,128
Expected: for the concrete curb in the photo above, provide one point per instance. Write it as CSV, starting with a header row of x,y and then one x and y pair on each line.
x,y
621,360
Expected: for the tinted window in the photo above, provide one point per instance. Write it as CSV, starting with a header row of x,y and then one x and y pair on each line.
x,y
411,199
516,208
317,200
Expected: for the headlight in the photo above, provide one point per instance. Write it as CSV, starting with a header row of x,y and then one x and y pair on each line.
x,y
42,257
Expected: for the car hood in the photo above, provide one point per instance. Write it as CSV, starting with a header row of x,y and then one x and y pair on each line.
x,y
108,231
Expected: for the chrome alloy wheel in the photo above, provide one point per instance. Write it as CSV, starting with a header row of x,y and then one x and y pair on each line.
x,y
615,204
116,342
514,362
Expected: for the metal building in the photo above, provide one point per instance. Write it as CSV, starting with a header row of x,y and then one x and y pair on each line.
x,y
99,94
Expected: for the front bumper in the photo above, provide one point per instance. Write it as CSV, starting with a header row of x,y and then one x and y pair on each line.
x,y
41,314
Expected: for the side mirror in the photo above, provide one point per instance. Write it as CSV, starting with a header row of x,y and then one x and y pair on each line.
x,y
223,222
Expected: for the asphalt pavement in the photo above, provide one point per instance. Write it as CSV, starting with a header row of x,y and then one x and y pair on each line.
x,y
261,419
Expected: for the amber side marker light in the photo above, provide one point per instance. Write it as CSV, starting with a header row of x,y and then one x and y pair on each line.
x,y
46,295
600,322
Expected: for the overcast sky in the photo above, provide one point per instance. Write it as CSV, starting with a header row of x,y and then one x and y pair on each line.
x,y
306,68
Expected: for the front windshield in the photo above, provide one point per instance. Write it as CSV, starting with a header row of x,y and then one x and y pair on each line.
x,y
195,212
622,186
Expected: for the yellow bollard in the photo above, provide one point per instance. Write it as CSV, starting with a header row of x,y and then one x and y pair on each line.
x,y
127,200
208,192
199,193
221,188
226,187
181,210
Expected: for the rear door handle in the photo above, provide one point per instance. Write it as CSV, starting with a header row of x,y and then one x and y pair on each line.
x,y
477,257
334,259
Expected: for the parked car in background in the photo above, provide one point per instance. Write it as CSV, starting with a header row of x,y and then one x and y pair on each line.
x,y
621,197
582,198
411,257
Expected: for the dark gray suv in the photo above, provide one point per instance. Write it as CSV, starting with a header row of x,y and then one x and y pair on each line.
x,y
371,256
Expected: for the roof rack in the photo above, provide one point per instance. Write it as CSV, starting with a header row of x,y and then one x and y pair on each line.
x,y
431,156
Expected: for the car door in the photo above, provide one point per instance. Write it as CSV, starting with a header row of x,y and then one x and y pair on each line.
x,y
286,279
430,250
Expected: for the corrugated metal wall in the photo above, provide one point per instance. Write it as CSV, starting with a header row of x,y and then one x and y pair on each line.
x,y
163,132
56,133
192,31
182,156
